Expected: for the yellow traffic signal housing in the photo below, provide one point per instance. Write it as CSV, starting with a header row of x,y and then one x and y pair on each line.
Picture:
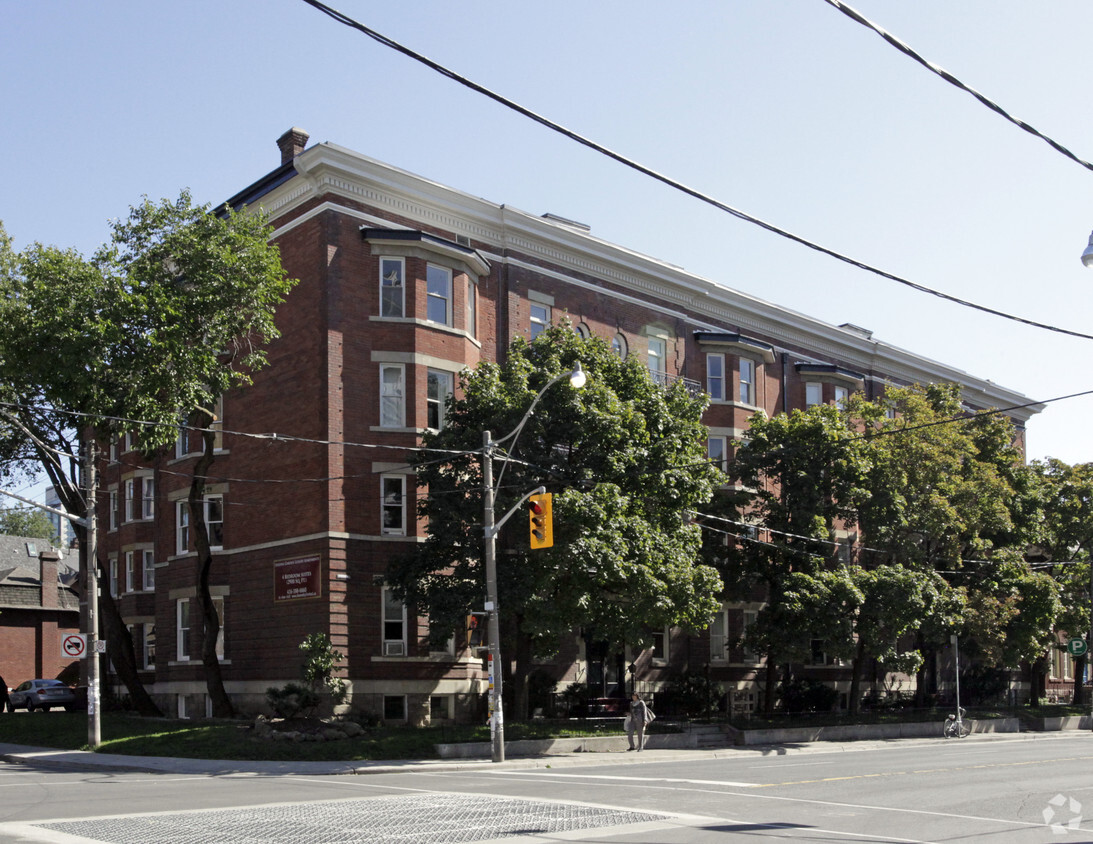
x,y
541,520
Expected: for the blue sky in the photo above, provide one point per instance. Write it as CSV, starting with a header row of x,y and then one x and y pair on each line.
x,y
788,110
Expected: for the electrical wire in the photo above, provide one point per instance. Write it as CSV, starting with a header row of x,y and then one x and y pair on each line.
x,y
692,192
855,15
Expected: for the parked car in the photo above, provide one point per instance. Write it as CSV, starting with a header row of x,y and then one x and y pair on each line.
x,y
41,694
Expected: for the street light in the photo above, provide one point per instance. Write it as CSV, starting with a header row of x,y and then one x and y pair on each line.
x,y
577,379
1087,256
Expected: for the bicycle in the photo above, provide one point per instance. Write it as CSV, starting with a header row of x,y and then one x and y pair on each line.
x,y
955,725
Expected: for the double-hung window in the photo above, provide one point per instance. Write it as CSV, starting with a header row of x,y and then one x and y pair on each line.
x,y
148,498
182,527
717,452
392,287
472,307
658,354
392,396
394,625
130,499
393,504
814,393
214,520
130,571
182,629
841,395
113,499
437,392
719,636
148,570
747,381
438,288
540,319
715,376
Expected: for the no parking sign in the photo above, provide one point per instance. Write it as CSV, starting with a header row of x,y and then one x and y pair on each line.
x,y
73,646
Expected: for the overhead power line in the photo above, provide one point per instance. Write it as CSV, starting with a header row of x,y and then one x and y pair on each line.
x,y
952,80
660,177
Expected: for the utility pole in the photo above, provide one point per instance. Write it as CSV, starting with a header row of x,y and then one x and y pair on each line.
x,y
497,716
94,730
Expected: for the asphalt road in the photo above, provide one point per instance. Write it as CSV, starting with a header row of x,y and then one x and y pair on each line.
x,y
1022,788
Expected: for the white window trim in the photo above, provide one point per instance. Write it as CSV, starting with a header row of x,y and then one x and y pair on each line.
x,y
390,646
814,385
752,385
401,368
724,463
182,527
130,499
400,530
182,642
539,317
430,296
147,497
719,378
130,571
449,387
401,262
148,570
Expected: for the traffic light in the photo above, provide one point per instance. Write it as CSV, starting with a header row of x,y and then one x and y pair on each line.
x,y
540,520
476,631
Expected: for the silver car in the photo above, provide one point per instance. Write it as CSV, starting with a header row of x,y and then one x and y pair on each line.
x,y
41,694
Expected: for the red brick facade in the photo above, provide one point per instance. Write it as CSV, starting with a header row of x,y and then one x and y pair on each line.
x,y
350,375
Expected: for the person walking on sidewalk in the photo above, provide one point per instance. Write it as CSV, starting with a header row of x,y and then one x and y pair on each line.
x,y
636,722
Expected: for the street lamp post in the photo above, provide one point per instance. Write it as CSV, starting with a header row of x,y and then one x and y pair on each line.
x,y
577,379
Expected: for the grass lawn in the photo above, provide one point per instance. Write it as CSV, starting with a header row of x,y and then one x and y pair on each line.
x,y
135,736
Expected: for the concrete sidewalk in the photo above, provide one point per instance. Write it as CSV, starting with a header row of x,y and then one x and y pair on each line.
x,y
87,760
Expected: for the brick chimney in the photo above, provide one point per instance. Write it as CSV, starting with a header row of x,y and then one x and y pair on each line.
x,y
292,143
49,560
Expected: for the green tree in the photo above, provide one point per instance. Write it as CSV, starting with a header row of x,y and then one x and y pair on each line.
x,y
625,459
26,521
800,476
158,324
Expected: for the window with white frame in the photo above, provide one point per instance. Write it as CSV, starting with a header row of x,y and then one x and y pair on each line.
x,y
439,387
113,504
182,527
221,635
658,356
540,319
182,629
113,577
717,452
438,289
583,331
148,570
392,396
392,287
130,571
130,499
149,646
719,636
393,504
841,395
217,423
394,624
182,442
661,640
148,498
214,520
113,450
715,376
814,393
747,381
127,441
749,618
619,346
472,307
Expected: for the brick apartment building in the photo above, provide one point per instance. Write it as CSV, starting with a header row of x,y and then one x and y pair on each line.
x,y
403,283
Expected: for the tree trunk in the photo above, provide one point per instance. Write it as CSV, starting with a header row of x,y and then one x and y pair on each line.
x,y
210,622
122,655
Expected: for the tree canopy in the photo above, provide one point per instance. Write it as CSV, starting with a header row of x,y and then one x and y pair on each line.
x,y
158,323
625,459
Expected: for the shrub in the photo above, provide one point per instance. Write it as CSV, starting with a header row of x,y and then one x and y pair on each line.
x,y
292,700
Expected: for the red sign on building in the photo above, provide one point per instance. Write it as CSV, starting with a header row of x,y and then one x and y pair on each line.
x,y
297,578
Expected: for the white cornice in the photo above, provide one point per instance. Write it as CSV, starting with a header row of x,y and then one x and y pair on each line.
x,y
707,305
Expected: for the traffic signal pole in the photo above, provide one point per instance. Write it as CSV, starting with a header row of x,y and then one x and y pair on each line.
x,y
497,716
